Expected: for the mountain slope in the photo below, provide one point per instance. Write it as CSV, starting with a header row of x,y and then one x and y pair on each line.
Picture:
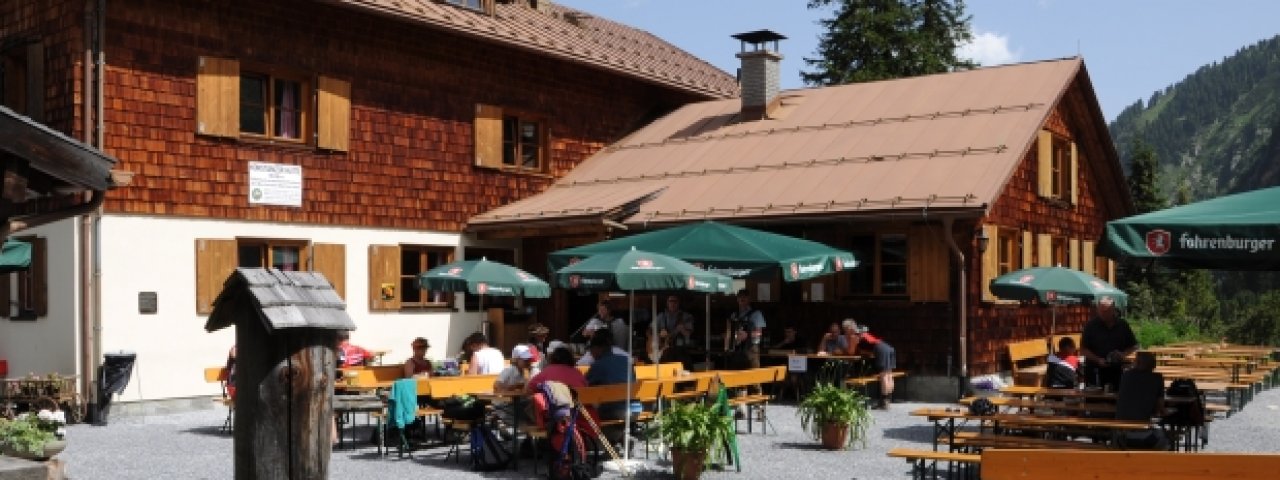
x,y
1218,130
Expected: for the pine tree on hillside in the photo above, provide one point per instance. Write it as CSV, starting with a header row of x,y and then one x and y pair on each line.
x,y
1143,179
868,40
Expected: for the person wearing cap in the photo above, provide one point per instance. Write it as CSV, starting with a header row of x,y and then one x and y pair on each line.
x,y
746,328
886,356
514,376
1105,342
418,365
538,339
485,360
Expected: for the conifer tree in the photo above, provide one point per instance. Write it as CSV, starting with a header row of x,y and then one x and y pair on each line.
x,y
868,40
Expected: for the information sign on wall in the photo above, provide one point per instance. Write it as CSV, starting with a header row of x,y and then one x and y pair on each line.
x,y
275,184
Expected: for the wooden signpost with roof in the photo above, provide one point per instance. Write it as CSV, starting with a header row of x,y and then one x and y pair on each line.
x,y
286,334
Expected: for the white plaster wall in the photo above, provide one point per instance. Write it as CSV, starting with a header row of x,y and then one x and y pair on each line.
x,y
148,254
48,344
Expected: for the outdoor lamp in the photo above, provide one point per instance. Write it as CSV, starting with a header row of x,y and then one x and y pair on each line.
x,y
982,240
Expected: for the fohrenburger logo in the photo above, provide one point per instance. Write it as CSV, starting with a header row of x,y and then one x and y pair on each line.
x,y
1196,242
644,263
1158,242
482,288
795,270
1025,279
455,271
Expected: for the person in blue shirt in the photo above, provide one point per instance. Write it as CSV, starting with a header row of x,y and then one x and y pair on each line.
x,y
609,368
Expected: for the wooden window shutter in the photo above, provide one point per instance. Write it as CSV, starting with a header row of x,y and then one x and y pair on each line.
x,y
1028,250
384,270
1111,272
330,259
1074,180
215,260
218,97
6,295
35,82
928,266
1044,250
1086,257
40,275
990,261
488,129
333,114
1044,163
1073,254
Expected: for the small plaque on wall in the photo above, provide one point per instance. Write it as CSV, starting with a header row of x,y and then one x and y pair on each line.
x,y
147,302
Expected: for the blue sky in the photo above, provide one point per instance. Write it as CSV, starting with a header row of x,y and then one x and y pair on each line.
x,y
1131,47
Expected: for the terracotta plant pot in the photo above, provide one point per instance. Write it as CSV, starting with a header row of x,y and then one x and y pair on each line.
x,y
687,465
834,435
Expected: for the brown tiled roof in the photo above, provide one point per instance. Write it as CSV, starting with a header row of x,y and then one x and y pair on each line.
x,y
947,141
568,34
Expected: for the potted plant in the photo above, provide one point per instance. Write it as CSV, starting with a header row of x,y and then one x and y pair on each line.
x,y
33,436
837,416
694,431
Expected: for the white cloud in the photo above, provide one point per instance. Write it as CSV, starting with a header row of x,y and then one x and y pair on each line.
x,y
988,48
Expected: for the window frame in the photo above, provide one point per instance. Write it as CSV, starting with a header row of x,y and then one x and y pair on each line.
x,y
516,144
877,264
268,248
31,300
1059,255
13,80
1061,162
271,77
482,6
1009,251
446,299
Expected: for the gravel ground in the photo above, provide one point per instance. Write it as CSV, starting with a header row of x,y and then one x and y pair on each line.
x,y
189,446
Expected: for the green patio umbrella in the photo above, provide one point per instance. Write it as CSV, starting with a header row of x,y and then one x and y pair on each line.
x,y
1235,232
631,270
1055,286
727,249
483,277
15,256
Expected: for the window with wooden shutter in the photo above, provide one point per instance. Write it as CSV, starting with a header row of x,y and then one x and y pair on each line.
x,y
1044,163
1073,254
990,262
215,260
333,108
218,97
1044,250
1086,257
384,278
929,266
415,259
330,259
488,132
32,285
1028,249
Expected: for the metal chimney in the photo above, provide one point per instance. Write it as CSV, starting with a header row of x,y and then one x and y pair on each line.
x,y
760,75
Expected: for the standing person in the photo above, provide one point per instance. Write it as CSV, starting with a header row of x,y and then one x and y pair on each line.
x,y
1105,343
599,321
539,340
677,323
886,357
485,360
418,365
746,327
349,354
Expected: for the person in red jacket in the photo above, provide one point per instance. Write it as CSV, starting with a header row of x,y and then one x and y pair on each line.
x,y
886,357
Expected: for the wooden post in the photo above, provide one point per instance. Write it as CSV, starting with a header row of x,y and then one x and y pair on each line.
x,y
284,402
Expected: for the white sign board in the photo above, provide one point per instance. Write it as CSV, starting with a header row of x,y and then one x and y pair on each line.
x,y
275,184
797,363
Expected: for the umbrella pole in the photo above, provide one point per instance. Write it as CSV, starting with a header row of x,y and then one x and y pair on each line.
x,y
626,427
706,335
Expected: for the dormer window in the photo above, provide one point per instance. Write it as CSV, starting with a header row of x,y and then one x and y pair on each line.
x,y
477,5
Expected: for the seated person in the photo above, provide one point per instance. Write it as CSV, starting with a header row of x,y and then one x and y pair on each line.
x,y
587,358
1063,365
418,365
229,383
540,341
485,360
609,368
349,354
790,341
559,368
513,377
1141,398
833,342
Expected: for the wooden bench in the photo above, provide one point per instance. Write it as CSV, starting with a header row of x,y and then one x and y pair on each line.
x,y
1041,464
863,384
219,375
752,382
925,462
664,370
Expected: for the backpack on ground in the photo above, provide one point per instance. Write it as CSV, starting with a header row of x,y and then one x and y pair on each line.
x,y
1185,413
566,441
488,453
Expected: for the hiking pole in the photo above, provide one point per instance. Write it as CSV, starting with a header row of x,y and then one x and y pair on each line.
x,y
613,454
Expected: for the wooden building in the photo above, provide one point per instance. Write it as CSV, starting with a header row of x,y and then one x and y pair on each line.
x,y
936,183
355,139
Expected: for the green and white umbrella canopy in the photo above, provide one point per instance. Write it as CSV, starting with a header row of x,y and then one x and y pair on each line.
x,y
15,256
631,270
1056,286
484,277
731,250
1235,232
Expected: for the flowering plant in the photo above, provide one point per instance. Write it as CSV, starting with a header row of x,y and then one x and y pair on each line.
x,y
29,433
